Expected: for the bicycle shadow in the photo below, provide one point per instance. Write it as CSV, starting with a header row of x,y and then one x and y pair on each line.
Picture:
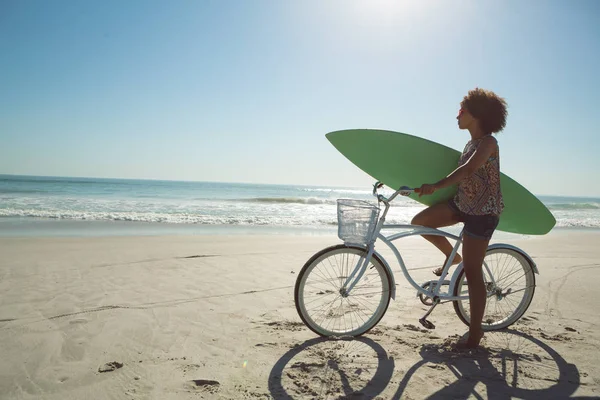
x,y
332,368
514,364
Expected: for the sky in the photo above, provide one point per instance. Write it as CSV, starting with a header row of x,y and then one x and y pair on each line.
x,y
245,91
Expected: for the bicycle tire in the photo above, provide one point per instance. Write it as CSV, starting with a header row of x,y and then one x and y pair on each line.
x,y
376,281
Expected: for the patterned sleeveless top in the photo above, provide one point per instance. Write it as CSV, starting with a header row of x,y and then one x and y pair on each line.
x,y
480,193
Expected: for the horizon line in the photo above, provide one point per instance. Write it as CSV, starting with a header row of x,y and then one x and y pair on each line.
x,y
237,183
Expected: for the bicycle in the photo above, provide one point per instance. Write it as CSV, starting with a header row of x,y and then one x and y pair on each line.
x,y
338,281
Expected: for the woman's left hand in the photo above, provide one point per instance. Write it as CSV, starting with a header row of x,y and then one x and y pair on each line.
x,y
426,189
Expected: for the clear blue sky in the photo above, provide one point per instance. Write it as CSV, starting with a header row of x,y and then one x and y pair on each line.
x,y
244,91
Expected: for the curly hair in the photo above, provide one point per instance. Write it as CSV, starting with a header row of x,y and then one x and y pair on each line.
x,y
488,108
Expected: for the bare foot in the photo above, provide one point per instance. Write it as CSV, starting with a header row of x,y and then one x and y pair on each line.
x,y
457,260
472,341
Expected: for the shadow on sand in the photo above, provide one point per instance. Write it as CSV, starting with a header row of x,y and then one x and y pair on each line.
x,y
514,364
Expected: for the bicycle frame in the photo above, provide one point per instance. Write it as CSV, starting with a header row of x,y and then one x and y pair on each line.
x,y
434,291
411,230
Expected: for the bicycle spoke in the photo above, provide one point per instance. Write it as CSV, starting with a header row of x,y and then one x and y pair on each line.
x,y
518,290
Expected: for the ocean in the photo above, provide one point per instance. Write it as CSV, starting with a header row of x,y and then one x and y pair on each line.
x,y
60,206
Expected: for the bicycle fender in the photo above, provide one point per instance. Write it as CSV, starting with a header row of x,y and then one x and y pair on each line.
x,y
518,250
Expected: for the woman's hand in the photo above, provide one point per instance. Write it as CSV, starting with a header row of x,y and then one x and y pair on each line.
x,y
426,189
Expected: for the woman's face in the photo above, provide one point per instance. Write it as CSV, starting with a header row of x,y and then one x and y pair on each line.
x,y
465,119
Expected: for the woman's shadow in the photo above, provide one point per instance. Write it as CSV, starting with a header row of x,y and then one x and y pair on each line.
x,y
514,364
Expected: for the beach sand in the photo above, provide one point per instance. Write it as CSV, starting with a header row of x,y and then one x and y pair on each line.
x,y
188,317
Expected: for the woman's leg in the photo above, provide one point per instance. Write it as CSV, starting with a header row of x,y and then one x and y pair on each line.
x,y
473,254
438,216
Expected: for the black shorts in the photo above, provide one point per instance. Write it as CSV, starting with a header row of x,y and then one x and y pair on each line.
x,y
478,226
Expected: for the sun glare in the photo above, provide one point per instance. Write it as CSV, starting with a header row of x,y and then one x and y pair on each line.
x,y
385,11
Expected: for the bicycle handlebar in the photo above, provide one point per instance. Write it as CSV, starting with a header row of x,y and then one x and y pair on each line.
x,y
403,191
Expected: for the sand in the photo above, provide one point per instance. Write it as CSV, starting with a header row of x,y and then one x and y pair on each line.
x,y
189,317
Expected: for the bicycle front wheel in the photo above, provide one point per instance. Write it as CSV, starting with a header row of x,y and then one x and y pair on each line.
x,y
510,289
321,300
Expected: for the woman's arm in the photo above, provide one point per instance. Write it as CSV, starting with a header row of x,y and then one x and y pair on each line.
x,y
484,151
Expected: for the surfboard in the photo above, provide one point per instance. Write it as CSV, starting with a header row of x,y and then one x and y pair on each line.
x,y
399,159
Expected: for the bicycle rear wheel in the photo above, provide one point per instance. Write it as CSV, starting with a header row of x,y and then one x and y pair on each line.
x,y
320,298
509,293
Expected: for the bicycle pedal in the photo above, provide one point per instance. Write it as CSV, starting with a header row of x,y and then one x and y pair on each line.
x,y
426,323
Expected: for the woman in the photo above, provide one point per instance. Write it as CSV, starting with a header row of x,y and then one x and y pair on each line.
x,y
478,201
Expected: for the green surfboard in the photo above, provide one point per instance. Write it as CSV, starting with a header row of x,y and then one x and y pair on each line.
x,y
398,159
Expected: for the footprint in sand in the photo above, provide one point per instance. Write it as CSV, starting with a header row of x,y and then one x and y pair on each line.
x,y
557,338
528,320
413,328
204,385
265,344
436,366
190,367
286,325
111,366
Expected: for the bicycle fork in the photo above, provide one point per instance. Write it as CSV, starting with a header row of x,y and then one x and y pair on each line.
x,y
357,273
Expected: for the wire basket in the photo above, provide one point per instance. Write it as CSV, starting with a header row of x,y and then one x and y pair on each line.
x,y
357,220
